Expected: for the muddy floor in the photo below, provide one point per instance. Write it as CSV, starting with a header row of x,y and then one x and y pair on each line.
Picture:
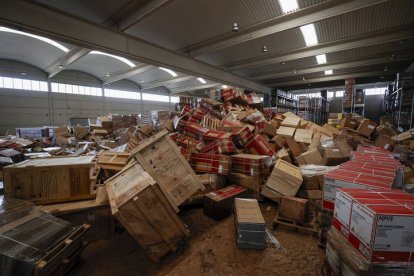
x,y
210,250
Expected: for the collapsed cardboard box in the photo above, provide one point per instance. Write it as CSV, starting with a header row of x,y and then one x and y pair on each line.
x,y
293,208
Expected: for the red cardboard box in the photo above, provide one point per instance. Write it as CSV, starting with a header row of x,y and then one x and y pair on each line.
x,y
260,147
349,179
212,135
211,163
242,137
195,131
223,146
379,224
250,164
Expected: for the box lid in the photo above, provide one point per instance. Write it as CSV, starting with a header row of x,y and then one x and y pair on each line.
x,y
248,211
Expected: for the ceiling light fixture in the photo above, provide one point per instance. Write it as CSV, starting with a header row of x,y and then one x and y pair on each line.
x,y
124,60
203,81
44,39
288,5
61,66
385,69
321,59
107,74
23,73
303,78
169,71
328,72
294,72
283,63
141,81
264,49
224,86
235,27
309,34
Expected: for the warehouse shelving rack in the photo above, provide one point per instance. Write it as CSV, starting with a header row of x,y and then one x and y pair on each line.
x,y
357,102
281,101
313,108
398,104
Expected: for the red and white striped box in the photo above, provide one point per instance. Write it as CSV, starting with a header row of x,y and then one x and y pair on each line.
x,y
213,135
223,146
371,149
260,147
259,127
251,165
186,109
188,142
378,223
196,116
211,163
175,136
195,131
338,178
242,137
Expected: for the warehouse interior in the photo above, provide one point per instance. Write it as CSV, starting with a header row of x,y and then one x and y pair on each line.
x,y
212,137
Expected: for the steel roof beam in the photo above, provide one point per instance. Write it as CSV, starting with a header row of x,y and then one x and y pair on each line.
x,y
385,59
123,74
67,59
330,47
37,19
159,83
335,77
140,14
194,88
282,23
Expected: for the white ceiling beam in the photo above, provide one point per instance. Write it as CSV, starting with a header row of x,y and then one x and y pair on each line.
x,y
330,47
37,19
194,88
160,83
385,59
123,74
282,23
65,60
140,14
335,77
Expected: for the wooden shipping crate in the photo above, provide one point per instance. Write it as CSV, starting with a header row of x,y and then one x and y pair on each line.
x,y
219,204
50,180
161,158
293,208
250,224
40,244
112,160
139,205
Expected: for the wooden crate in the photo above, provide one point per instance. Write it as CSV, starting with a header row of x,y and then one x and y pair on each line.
x,y
140,206
50,180
161,158
112,160
293,208
40,244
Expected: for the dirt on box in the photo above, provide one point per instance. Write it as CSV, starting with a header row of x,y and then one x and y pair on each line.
x,y
210,250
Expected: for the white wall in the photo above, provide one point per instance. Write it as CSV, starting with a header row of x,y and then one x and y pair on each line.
x,y
22,108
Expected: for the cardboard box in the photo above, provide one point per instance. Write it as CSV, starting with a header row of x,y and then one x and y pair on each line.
x,y
332,157
294,147
366,128
211,163
242,136
219,204
378,224
252,183
138,204
349,179
303,136
330,130
162,159
311,194
283,154
291,121
285,179
293,208
280,141
259,146
250,224
311,157
250,164
384,141
286,131
270,129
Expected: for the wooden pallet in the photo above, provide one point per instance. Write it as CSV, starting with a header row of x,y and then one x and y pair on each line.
x,y
210,122
310,226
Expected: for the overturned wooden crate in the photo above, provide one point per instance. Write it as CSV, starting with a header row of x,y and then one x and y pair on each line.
x,y
140,206
161,158
40,244
50,180
112,160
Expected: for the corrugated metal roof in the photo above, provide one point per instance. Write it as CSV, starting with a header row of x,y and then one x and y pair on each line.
x,y
97,11
28,50
186,22
379,17
98,65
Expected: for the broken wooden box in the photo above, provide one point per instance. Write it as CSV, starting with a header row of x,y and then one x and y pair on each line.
x,y
139,205
50,180
161,158
250,224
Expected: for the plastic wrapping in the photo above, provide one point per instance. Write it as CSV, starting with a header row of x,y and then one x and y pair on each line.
x,y
312,170
344,259
12,209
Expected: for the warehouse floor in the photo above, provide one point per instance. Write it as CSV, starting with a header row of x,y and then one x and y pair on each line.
x,y
211,250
